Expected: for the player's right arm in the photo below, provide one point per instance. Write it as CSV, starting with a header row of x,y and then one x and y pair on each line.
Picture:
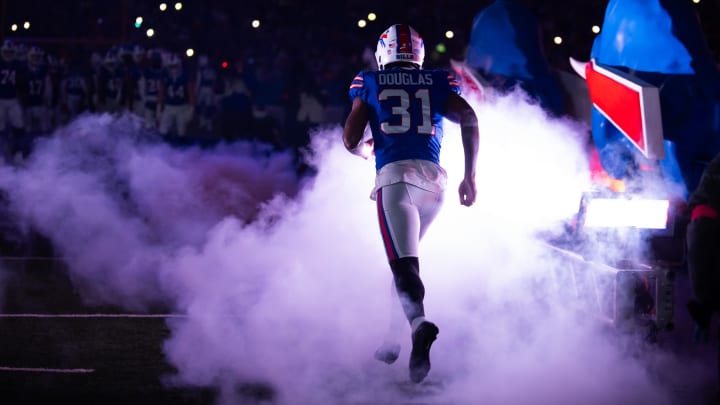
x,y
357,120
459,111
355,128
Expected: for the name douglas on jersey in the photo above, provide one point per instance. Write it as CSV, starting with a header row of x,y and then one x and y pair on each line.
x,y
404,78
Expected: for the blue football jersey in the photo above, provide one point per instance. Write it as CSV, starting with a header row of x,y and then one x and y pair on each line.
x,y
207,77
111,82
153,80
11,74
176,89
36,86
407,110
74,83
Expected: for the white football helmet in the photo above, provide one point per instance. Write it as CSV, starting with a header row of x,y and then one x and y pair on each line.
x,y
21,52
35,56
7,50
400,43
138,53
174,65
111,60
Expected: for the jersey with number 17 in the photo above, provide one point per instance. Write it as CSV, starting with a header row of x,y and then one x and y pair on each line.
x,y
407,111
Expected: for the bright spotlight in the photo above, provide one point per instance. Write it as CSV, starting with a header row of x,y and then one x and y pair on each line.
x,y
163,6
623,213
13,27
190,52
372,17
138,20
150,32
449,34
696,1
596,29
362,23
440,48
178,6
557,40
26,25
255,23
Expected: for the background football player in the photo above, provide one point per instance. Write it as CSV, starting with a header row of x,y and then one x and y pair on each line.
x,y
12,73
39,93
206,84
110,84
149,87
176,99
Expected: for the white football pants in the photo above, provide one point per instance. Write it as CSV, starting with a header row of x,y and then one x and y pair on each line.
x,y
405,212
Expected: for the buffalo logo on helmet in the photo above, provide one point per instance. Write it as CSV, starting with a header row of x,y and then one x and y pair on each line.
x,y
382,39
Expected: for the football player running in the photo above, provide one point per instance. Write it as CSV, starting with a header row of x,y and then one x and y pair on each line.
x,y
405,105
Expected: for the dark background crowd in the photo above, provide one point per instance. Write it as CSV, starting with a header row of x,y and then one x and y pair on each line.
x,y
273,80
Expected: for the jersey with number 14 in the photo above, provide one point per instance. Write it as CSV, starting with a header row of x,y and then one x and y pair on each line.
x,y
407,110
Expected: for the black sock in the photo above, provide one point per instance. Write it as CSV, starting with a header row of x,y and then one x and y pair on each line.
x,y
406,272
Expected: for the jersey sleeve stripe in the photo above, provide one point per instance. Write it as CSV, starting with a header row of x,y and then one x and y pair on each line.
x,y
357,82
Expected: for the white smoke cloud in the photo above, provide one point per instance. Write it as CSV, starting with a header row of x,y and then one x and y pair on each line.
x,y
285,283
117,206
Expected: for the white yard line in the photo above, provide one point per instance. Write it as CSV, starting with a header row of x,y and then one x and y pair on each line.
x,y
48,370
74,370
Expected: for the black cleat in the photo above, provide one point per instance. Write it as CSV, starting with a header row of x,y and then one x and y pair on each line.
x,y
422,339
388,353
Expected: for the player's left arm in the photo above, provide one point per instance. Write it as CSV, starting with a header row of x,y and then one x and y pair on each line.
x,y
354,129
459,111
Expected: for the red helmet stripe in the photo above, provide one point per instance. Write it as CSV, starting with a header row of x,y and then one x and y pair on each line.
x,y
404,39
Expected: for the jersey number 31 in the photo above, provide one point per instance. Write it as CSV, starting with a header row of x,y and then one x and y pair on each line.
x,y
401,108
